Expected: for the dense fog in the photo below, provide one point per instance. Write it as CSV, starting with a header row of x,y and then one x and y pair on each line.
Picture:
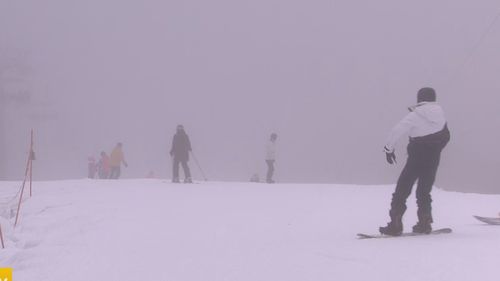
x,y
331,78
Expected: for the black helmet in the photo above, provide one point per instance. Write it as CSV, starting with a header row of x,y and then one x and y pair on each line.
x,y
426,94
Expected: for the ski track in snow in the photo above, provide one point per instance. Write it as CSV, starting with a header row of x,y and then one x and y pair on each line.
x,y
153,230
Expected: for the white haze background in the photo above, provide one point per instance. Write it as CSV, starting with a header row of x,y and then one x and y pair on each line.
x,y
330,77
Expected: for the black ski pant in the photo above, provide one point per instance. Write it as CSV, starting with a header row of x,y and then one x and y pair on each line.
x,y
270,170
422,165
185,167
115,172
103,174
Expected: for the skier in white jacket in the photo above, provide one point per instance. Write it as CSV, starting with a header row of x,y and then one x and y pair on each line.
x,y
271,157
428,131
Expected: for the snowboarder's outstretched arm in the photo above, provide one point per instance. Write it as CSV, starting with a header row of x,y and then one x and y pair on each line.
x,y
403,127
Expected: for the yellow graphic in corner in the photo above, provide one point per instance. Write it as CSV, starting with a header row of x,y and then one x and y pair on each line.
x,y
5,274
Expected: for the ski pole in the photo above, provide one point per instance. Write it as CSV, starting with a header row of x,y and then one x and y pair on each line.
x,y
1,237
199,167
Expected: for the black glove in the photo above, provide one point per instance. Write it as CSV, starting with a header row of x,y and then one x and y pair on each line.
x,y
391,157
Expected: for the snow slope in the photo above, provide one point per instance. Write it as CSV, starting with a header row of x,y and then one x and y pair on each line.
x,y
153,230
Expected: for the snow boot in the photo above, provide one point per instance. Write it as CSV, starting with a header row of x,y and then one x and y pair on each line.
x,y
188,180
176,180
422,228
423,225
393,228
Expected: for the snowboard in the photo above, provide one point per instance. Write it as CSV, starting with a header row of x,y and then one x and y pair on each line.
x,y
492,221
180,183
405,234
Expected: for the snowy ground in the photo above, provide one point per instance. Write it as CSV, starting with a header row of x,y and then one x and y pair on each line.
x,y
153,230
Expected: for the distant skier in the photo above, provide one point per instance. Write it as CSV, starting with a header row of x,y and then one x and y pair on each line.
x,y
115,161
181,146
271,157
92,167
429,134
103,166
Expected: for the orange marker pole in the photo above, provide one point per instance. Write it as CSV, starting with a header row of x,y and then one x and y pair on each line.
x,y
20,201
31,164
22,188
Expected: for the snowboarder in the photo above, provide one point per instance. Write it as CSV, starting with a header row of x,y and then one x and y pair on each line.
x,y
115,161
271,157
181,147
103,166
429,134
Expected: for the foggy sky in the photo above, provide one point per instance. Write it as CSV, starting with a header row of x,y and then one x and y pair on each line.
x,y
330,77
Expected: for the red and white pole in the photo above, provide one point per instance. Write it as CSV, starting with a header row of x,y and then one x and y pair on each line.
x,y
32,155
28,168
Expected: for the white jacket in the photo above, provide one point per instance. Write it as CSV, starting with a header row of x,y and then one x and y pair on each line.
x,y
425,118
271,151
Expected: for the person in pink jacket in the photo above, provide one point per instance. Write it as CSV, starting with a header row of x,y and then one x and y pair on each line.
x,y
103,166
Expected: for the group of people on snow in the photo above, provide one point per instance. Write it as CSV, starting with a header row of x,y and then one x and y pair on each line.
x,y
108,167
428,133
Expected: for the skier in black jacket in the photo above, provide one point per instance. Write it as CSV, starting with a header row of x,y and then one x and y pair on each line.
x,y
181,146
429,134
